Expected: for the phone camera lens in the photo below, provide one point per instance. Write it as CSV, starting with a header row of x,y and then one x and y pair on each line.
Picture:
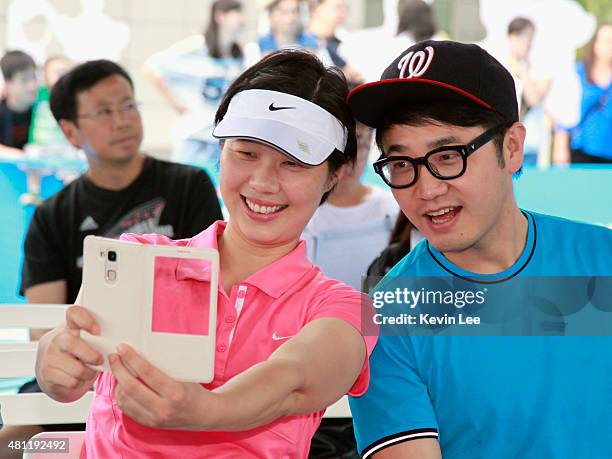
x,y
112,255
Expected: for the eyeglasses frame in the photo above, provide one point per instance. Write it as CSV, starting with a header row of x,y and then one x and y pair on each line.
x,y
123,111
464,150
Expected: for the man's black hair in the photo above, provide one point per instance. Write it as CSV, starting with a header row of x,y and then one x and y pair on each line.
x,y
15,61
445,112
63,100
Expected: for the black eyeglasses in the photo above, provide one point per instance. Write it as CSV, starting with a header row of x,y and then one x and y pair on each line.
x,y
444,163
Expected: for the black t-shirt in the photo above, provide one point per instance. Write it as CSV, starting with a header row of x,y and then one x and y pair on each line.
x,y
14,126
176,200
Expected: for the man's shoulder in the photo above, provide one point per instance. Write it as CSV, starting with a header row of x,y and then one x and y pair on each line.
x,y
580,232
177,171
179,168
62,198
569,247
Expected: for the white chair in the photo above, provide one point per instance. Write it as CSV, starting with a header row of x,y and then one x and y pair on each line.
x,y
18,360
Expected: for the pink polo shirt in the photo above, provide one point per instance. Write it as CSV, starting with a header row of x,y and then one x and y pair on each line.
x,y
274,303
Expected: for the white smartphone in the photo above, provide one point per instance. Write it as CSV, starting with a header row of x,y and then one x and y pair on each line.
x,y
161,300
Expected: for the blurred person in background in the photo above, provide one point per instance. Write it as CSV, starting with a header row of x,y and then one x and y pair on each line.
x,y
326,18
123,190
44,130
45,136
413,21
193,74
353,225
20,91
590,139
533,83
286,31
521,32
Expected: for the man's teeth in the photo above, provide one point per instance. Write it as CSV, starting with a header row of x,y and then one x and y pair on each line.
x,y
262,209
437,213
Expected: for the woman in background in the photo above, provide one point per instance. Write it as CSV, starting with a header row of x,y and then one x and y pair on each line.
x,y
590,140
193,74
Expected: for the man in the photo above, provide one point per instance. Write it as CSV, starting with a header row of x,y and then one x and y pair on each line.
x,y
446,120
20,86
286,31
533,81
326,18
122,191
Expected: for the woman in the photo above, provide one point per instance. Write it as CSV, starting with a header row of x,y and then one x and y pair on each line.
x,y
353,225
590,139
287,337
193,74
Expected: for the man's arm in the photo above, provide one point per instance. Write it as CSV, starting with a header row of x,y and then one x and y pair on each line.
x,y
156,65
426,448
10,152
54,292
164,90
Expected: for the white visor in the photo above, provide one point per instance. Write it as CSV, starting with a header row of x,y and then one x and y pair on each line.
x,y
297,127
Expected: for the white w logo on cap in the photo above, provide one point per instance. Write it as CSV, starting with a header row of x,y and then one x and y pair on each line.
x,y
415,62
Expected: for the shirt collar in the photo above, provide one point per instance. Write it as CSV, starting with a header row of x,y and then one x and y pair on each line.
x,y
274,279
193,269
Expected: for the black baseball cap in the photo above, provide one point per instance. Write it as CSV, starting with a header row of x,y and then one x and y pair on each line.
x,y
437,70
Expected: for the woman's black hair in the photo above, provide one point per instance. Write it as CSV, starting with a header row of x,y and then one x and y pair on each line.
x,y
301,74
211,34
417,19
589,53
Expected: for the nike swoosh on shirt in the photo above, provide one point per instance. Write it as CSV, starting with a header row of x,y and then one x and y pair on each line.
x,y
272,108
275,337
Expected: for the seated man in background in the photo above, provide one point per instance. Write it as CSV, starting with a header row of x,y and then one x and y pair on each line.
x,y
123,190
20,88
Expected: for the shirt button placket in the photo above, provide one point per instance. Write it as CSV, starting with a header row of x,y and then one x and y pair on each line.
x,y
238,304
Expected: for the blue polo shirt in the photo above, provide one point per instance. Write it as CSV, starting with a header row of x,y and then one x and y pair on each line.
x,y
497,396
305,40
